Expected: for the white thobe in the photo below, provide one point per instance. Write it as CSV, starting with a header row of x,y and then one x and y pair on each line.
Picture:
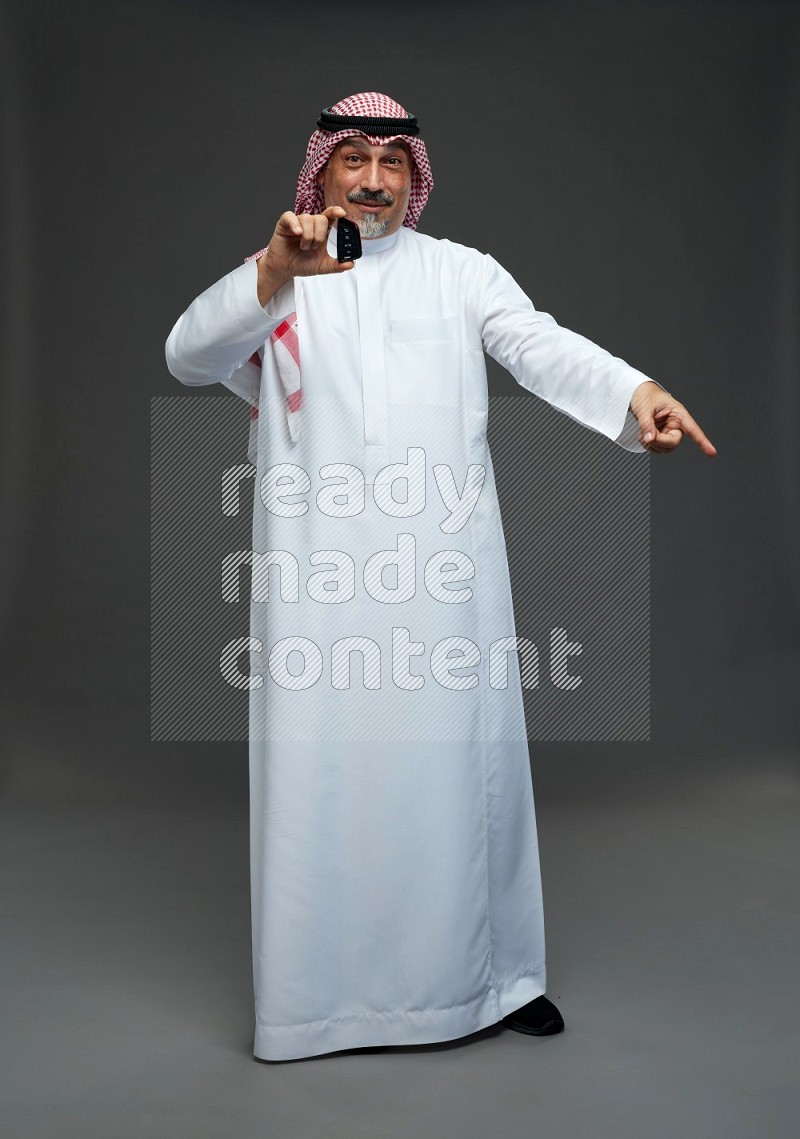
x,y
396,891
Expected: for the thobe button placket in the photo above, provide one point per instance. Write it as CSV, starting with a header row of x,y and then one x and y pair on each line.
x,y
373,367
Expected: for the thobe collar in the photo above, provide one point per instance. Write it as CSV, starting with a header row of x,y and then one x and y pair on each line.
x,y
368,245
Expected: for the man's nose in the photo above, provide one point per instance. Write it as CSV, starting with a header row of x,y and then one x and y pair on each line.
x,y
372,176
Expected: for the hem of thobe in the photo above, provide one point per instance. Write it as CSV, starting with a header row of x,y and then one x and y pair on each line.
x,y
428,1026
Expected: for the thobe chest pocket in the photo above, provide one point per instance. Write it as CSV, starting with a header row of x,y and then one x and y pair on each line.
x,y
423,361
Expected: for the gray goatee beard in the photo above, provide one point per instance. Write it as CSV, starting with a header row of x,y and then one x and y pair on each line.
x,y
369,225
372,226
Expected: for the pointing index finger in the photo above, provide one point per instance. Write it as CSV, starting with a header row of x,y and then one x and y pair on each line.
x,y
692,428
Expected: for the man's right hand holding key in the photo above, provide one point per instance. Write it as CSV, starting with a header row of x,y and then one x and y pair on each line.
x,y
298,248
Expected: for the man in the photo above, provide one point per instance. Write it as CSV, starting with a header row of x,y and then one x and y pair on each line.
x,y
396,892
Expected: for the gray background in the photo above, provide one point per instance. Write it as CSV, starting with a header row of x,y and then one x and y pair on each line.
x,y
635,167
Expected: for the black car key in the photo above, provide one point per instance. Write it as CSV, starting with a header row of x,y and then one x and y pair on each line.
x,y
348,240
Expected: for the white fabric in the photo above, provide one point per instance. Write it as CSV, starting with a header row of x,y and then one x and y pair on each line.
x,y
396,893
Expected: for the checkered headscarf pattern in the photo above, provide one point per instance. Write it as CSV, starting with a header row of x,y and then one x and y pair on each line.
x,y
309,197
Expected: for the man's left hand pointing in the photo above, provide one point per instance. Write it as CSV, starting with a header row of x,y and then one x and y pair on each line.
x,y
663,421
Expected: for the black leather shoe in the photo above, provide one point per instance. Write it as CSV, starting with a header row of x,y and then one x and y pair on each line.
x,y
537,1018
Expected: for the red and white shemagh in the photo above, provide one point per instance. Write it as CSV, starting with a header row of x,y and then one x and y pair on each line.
x,y
309,199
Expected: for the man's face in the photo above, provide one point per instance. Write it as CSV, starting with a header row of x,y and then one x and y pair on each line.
x,y
373,183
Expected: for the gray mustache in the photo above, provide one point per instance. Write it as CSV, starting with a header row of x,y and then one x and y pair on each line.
x,y
371,200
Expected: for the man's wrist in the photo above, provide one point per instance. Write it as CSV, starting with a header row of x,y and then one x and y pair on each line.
x,y
268,282
641,385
